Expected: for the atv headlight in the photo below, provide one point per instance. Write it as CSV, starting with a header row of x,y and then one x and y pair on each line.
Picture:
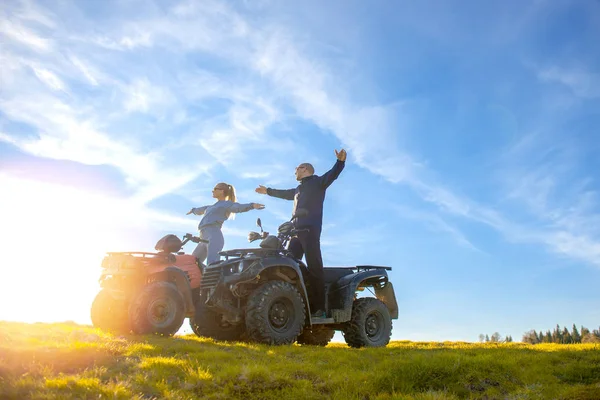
x,y
238,267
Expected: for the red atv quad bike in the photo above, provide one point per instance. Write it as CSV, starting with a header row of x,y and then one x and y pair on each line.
x,y
148,292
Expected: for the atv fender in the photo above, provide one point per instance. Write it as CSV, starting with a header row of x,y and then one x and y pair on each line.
x,y
281,268
180,279
341,293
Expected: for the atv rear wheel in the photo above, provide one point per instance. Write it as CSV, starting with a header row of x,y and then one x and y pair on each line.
x,y
318,335
370,324
275,313
109,314
209,323
158,308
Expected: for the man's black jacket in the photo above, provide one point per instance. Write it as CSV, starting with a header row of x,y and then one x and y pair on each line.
x,y
310,195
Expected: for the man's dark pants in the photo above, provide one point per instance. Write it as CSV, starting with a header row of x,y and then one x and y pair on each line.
x,y
308,243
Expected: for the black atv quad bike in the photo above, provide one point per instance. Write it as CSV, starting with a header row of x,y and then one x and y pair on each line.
x,y
148,292
260,294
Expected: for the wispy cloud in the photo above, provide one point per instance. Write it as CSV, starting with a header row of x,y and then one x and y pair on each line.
x,y
18,32
436,224
85,70
75,129
49,78
142,96
581,82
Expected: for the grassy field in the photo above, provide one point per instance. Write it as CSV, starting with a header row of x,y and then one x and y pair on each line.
x,y
64,361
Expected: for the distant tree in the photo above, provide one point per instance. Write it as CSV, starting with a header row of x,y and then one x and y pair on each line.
x,y
487,338
481,337
584,332
540,337
590,338
548,338
508,339
575,336
496,337
530,337
566,336
556,334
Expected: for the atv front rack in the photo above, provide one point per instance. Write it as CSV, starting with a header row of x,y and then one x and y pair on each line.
x,y
245,252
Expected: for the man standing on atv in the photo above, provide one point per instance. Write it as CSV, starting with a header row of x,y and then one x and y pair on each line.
x,y
309,195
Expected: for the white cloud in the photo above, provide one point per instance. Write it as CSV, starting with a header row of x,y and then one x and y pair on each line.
x,y
29,12
85,70
578,246
583,83
143,96
435,223
19,33
49,78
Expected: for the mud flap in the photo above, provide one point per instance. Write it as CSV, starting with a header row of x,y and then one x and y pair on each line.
x,y
388,297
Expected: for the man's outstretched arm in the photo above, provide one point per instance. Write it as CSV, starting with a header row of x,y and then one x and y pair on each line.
x,y
328,177
282,194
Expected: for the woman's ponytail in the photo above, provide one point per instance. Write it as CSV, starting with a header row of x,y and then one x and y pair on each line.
x,y
231,193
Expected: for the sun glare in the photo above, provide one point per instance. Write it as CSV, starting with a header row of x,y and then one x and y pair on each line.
x,y
54,239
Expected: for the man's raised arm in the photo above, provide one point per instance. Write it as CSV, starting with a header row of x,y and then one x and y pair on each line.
x,y
282,194
328,177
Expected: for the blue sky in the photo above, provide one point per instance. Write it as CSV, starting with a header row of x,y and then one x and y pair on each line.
x,y
471,130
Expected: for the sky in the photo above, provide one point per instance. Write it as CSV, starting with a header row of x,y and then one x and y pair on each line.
x,y
472,132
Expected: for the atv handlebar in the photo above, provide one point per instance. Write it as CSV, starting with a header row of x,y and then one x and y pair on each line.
x,y
189,237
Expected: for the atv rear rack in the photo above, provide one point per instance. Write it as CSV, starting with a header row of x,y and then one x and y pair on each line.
x,y
368,267
132,253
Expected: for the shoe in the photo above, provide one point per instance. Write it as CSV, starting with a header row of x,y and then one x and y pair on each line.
x,y
319,314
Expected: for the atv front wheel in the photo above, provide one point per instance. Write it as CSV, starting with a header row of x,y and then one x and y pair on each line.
x,y
370,324
109,314
275,313
209,323
318,335
159,308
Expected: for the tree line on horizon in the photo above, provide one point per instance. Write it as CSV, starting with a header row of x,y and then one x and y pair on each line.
x,y
563,336
495,338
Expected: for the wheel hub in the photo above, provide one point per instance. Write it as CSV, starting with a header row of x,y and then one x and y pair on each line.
x,y
280,314
160,311
373,325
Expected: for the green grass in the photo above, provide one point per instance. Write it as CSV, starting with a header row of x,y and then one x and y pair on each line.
x,y
67,361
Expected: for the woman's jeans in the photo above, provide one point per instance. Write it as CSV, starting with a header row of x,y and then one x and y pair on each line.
x,y
210,251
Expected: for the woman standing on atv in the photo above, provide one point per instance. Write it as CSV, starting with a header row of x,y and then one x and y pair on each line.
x,y
214,216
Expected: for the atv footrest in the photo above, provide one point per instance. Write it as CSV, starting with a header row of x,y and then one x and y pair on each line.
x,y
319,321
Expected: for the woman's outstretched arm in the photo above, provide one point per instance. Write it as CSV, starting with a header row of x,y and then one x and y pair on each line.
x,y
240,208
197,210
